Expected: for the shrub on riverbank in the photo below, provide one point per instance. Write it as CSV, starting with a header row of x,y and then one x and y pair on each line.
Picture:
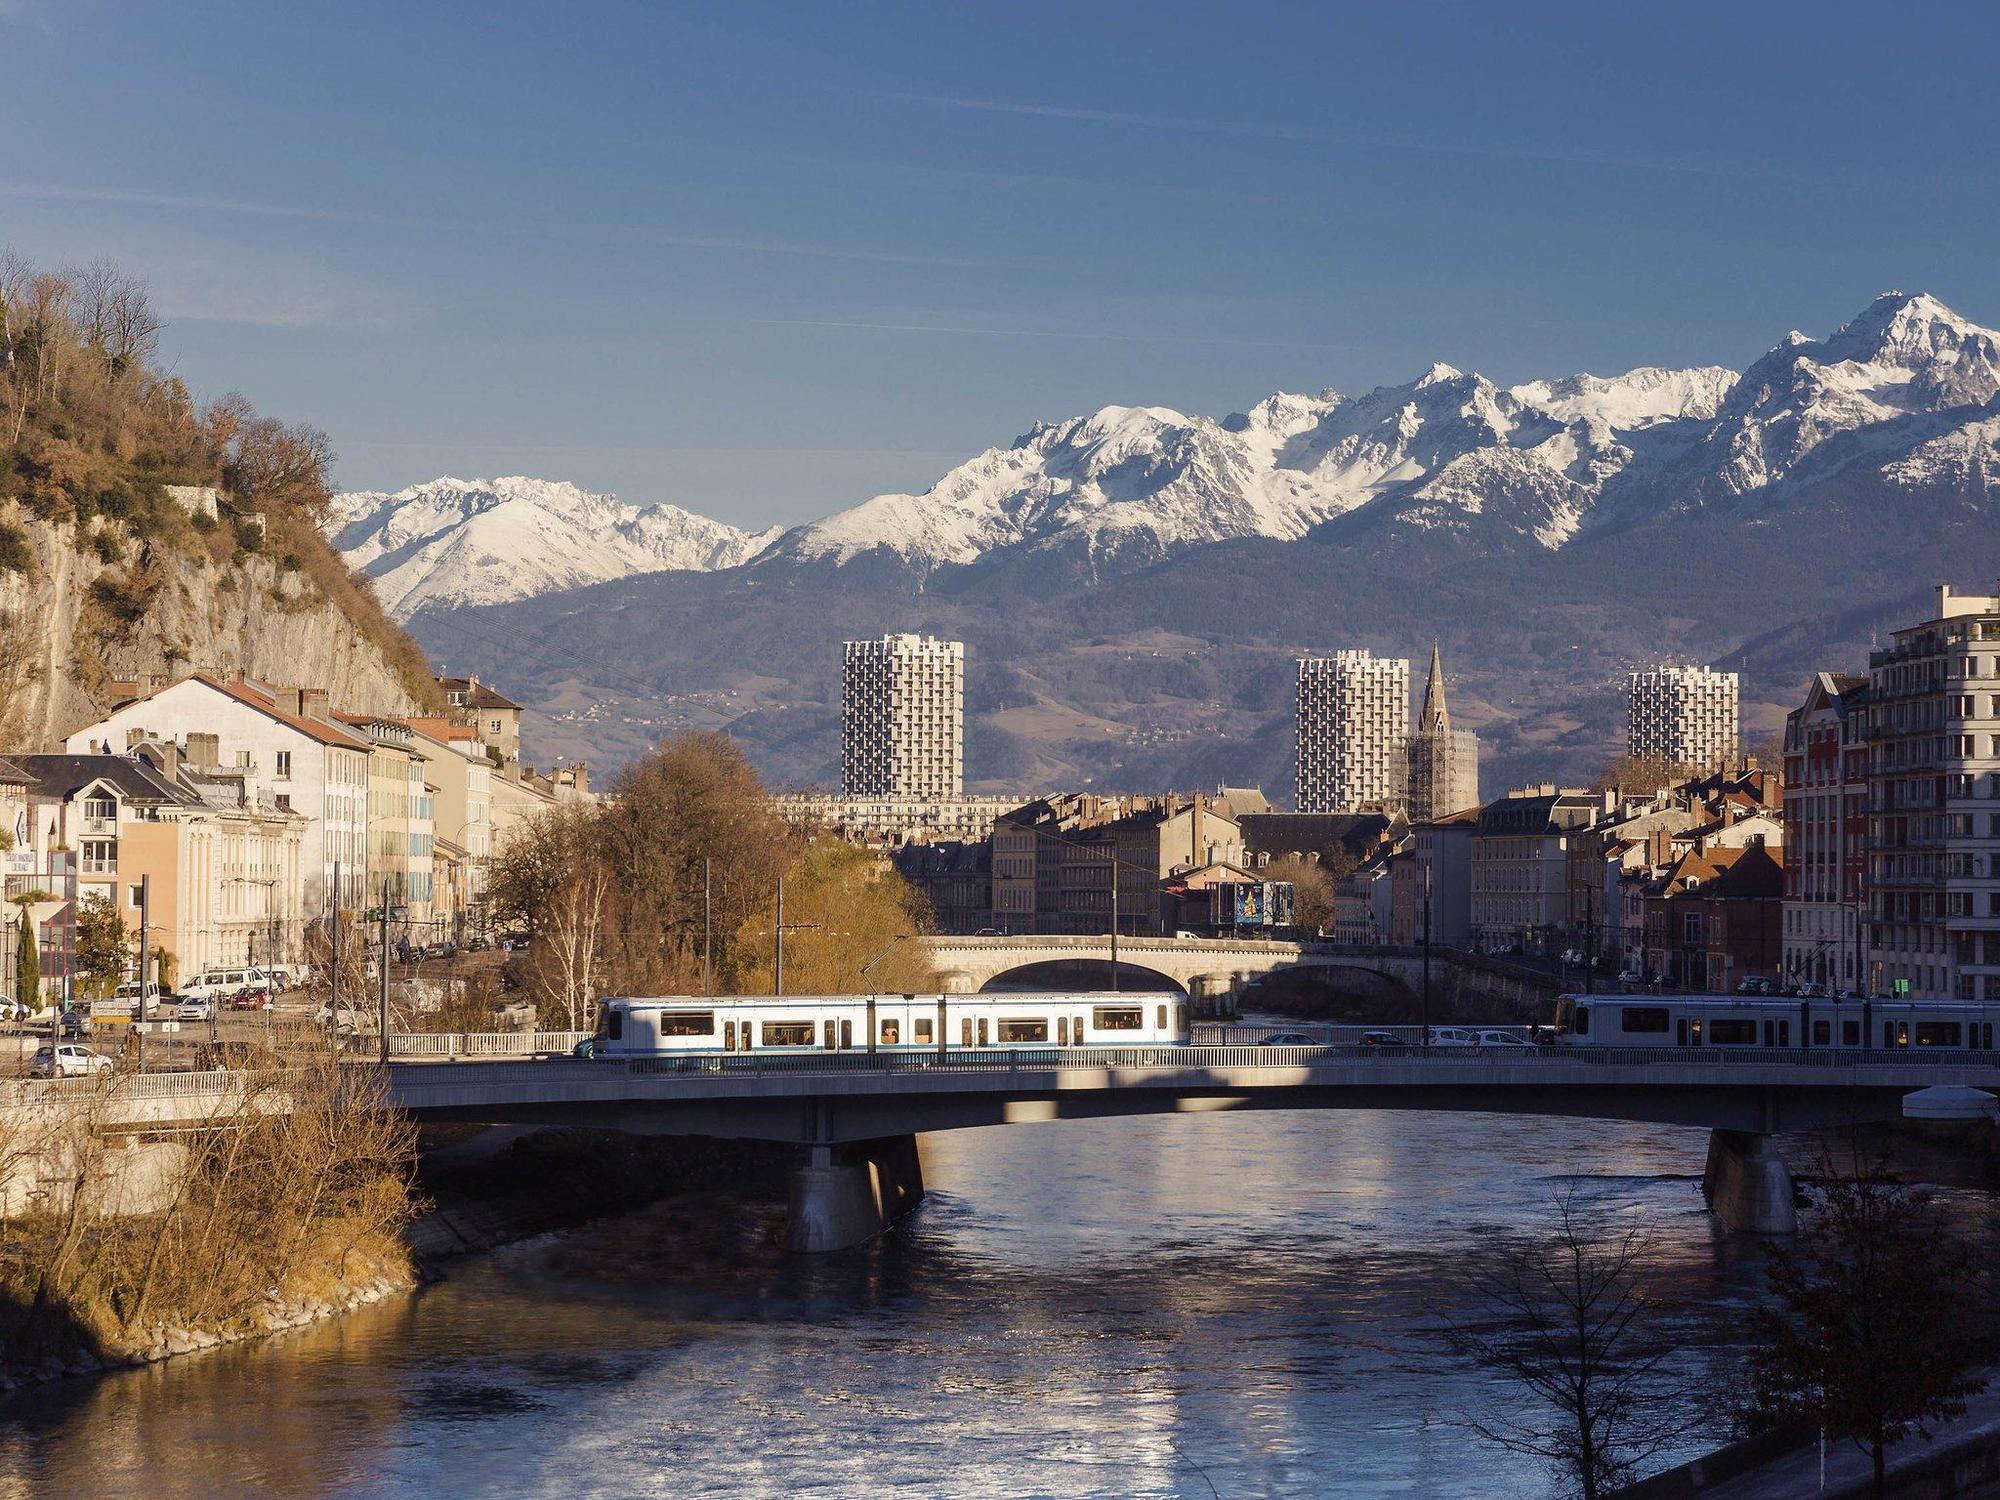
x,y
286,1196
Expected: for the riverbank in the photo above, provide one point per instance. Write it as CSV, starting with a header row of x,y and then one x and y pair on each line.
x,y
479,1190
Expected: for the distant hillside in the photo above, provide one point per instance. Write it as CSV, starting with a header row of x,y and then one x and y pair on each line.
x,y
1133,586
106,574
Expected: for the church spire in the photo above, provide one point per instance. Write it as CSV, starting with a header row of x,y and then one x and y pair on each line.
x,y
1435,716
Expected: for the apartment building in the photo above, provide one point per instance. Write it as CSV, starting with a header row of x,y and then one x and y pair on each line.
x,y
1932,726
216,867
1826,827
1520,866
456,766
1684,716
896,820
1053,859
290,748
1443,760
493,717
1352,731
402,818
902,718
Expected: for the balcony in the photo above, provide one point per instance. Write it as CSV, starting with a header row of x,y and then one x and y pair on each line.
x,y
101,827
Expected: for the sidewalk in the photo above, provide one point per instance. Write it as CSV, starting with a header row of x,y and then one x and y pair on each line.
x,y
1970,1445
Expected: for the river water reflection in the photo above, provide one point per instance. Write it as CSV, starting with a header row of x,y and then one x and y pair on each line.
x,y
1130,1307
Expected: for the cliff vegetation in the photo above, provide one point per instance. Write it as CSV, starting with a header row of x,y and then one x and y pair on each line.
x,y
113,563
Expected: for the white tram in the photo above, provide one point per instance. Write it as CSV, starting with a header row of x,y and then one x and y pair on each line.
x,y
654,1026
1747,1021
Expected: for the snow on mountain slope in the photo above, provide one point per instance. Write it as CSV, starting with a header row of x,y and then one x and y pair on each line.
x,y
455,541
1447,459
1904,355
1154,480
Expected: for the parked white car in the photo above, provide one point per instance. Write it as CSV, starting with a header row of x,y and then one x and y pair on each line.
x,y
220,984
1453,1036
12,1011
67,1060
194,1008
1502,1039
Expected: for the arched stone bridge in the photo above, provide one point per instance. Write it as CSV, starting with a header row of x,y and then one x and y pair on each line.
x,y
1209,968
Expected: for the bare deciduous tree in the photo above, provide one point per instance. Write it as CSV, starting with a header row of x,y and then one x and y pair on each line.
x,y
1568,1324
1877,1328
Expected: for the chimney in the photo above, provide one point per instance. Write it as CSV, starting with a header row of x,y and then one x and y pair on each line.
x,y
204,749
312,703
134,738
292,701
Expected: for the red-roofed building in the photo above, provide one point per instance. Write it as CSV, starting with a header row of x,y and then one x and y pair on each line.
x,y
289,747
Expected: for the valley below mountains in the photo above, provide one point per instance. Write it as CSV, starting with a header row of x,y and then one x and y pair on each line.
x,y
1134,586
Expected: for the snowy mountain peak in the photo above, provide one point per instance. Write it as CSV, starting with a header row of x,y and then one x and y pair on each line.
x,y
484,541
1438,374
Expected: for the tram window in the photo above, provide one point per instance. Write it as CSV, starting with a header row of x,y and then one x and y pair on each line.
x,y
1850,1033
614,1025
1769,1038
1017,1029
1583,1020
1076,1030
1937,1033
1062,1031
1681,1031
920,1029
787,1033
1180,1017
1784,1033
1822,1033
965,1031
1726,1031
1117,1017
1888,1033
982,1031
891,1033
728,1036
1644,1018
847,1033
687,1023
1162,1023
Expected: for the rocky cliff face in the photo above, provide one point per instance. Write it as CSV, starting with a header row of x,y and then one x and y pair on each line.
x,y
71,626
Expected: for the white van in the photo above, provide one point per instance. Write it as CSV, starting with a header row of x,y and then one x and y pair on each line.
x,y
220,984
125,999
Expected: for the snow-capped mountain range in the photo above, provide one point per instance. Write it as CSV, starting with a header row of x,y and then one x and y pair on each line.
x,y
456,541
1907,390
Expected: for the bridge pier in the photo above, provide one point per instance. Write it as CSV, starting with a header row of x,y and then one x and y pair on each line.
x,y
845,1195
957,982
1748,1185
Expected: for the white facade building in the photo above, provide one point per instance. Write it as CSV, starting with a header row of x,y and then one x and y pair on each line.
x,y
1353,732
287,750
902,718
1685,716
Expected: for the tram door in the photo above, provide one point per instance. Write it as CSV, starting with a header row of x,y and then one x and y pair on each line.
x,y
982,1031
965,1031
832,1035
1681,1032
1062,1031
728,1036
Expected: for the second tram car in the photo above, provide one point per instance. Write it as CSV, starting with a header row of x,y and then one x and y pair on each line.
x,y
1772,1021
655,1026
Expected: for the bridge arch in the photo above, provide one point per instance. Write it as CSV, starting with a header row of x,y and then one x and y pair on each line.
x,y
1082,973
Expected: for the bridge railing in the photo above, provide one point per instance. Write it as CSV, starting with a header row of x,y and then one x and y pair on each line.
x,y
447,1044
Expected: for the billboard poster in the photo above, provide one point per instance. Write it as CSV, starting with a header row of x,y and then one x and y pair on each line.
x,y
1278,903
1250,905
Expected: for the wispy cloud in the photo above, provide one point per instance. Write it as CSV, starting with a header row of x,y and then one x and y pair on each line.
x,y
570,229
1366,140
1084,335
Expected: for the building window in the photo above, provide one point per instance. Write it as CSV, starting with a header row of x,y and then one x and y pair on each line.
x,y
284,765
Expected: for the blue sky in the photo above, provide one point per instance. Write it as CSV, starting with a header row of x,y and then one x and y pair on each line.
x,y
765,261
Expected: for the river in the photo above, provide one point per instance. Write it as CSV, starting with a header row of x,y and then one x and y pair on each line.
x,y
1151,1306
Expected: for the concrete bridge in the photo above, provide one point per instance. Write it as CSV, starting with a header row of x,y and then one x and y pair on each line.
x,y
856,1115
1209,969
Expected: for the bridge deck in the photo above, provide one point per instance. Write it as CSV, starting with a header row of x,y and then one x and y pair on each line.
x,y
856,1096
